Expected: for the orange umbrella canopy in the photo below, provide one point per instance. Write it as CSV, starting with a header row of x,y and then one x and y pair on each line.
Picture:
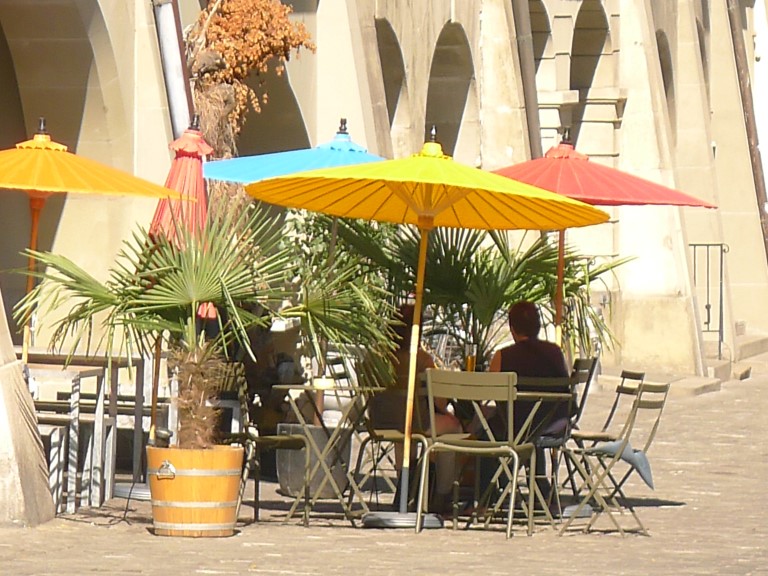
x,y
568,172
565,171
42,167
173,215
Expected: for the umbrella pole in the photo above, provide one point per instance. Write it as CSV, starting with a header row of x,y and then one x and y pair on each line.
x,y
412,365
402,518
35,206
559,287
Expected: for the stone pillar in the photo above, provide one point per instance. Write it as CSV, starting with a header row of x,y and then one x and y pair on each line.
x,y
25,498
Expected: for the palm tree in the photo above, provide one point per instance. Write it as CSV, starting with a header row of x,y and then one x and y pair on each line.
x,y
474,276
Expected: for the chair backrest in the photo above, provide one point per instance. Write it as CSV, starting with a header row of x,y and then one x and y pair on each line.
x,y
478,388
651,399
626,391
548,404
584,370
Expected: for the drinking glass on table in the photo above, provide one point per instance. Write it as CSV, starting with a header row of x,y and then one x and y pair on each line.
x,y
470,357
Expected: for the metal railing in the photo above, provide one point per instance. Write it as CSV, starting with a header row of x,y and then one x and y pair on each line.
x,y
705,258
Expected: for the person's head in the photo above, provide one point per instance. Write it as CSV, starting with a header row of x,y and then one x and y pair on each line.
x,y
524,321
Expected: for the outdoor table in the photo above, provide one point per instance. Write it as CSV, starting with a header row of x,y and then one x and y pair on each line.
x,y
99,470
40,356
350,421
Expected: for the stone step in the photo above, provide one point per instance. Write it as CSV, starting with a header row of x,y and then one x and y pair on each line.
x,y
681,385
720,369
750,345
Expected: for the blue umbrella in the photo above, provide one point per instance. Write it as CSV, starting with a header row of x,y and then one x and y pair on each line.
x,y
340,151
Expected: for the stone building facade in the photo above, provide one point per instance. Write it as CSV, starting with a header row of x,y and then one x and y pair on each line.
x,y
657,89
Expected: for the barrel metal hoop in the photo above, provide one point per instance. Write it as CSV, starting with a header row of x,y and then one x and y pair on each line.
x,y
173,504
198,527
196,472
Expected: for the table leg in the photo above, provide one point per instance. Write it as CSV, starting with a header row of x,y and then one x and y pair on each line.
x,y
337,438
96,479
74,444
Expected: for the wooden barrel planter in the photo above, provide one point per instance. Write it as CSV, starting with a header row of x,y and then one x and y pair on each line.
x,y
194,492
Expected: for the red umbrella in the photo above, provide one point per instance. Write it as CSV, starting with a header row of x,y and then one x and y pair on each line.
x,y
568,172
185,176
191,212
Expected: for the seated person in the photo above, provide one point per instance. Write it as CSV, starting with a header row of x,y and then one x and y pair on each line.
x,y
388,409
530,357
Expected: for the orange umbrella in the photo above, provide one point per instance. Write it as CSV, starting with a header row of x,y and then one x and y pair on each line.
x,y
41,167
190,212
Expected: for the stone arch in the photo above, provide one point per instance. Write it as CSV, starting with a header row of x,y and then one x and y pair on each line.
x,y
703,36
591,62
14,206
450,80
63,65
541,32
395,88
392,66
668,78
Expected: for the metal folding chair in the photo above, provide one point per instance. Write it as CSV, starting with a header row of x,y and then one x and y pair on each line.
x,y
610,430
478,388
548,427
598,463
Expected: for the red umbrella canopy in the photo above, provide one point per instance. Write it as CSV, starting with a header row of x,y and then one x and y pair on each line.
x,y
568,172
185,176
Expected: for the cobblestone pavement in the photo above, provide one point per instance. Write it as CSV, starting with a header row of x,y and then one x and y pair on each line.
x,y
706,516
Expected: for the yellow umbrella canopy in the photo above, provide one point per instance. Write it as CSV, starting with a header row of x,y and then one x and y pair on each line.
x,y
427,189
42,167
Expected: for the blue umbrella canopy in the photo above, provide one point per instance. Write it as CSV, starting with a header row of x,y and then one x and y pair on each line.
x,y
340,151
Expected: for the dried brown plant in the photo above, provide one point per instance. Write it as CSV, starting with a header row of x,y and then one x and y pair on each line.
x,y
231,42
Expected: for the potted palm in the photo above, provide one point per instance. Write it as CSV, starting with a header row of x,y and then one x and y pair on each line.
x,y
154,291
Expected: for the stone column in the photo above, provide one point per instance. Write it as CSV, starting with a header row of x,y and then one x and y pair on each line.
x,y
25,499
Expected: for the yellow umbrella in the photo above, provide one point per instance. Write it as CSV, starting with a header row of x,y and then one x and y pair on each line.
x,y
427,189
42,167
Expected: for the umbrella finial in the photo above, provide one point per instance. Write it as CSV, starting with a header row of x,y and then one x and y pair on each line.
x,y
342,126
433,134
195,124
41,126
567,135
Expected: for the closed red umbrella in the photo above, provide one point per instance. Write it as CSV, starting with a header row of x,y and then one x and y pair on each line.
x,y
190,212
565,171
185,176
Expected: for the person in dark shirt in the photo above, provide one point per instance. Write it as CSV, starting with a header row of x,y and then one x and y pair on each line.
x,y
530,357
